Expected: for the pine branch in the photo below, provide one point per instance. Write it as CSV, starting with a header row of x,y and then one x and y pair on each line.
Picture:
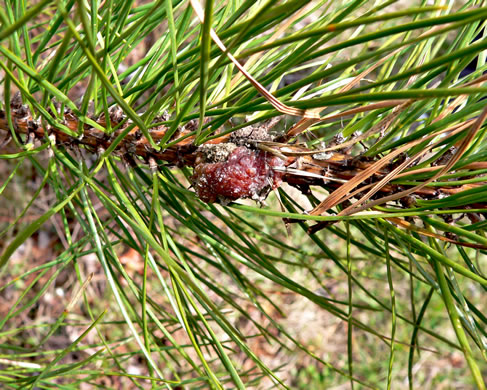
x,y
302,167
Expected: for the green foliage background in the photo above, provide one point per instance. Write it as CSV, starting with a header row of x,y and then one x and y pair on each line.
x,y
206,299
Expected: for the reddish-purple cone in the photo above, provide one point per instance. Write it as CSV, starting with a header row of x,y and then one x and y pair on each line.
x,y
245,174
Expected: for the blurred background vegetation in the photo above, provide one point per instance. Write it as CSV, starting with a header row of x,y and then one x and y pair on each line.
x,y
114,275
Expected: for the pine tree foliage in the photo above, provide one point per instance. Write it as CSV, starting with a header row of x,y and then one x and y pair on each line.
x,y
216,162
